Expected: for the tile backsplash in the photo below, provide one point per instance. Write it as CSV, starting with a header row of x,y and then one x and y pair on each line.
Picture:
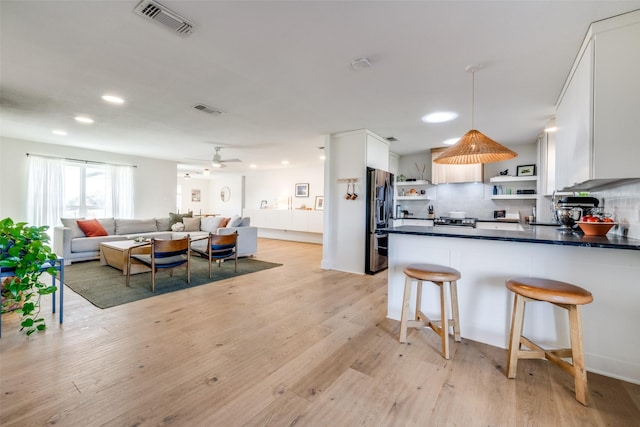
x,y
623,202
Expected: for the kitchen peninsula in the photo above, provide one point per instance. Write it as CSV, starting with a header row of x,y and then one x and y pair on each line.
x,y
609,267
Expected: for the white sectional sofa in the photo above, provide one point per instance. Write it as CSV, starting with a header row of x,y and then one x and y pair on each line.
x,y
70,242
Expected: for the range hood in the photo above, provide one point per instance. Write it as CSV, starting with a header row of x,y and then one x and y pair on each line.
x,y
599,184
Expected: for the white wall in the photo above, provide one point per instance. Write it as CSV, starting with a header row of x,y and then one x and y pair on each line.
x,y
279,185
155,181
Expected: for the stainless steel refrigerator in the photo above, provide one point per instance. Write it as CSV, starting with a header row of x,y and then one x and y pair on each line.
x,y
379,216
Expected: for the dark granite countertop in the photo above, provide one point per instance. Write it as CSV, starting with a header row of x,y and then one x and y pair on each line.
x,y
544,234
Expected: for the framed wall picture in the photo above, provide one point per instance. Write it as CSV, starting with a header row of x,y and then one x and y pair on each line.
x,y
526,170
195,195
319,205
302,190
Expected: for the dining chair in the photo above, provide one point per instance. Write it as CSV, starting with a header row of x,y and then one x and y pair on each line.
x,y
218,248
164,254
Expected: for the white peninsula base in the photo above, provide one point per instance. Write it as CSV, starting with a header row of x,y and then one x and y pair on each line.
x,y
610,322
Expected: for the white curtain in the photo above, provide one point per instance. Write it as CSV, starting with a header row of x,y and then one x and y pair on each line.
x,y
45,198
119,191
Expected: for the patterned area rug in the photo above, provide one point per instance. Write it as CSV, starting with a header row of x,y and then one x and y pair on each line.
x,y
104,286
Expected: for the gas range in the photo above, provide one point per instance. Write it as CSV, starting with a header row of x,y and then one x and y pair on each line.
x,y
456,222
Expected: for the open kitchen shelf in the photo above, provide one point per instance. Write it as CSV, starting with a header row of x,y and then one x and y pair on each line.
x,y
412,183
514,196
514,178
418,197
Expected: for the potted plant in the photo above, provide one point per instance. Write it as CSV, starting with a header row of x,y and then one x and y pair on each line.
x,y
24,251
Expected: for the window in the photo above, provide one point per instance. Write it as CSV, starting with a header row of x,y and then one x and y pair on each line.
x,y
85,190
61,188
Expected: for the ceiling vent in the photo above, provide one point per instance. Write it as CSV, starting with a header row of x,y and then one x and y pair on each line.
x,y
207,109
160,14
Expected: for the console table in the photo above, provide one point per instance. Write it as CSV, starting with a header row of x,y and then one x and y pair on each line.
x,y
59,266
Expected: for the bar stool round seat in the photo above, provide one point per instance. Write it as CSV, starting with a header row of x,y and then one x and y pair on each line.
x,y
564,295
439,275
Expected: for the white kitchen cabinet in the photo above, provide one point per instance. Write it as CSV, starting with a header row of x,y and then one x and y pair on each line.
x,y
450,174
597,113
547,161
286,219
513,184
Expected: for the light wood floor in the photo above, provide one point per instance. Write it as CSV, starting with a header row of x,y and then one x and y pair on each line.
x,y
293,345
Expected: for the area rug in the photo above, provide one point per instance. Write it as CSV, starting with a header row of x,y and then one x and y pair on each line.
x,y
104,286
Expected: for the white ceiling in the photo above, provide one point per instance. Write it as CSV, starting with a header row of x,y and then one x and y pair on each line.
x,y
280,72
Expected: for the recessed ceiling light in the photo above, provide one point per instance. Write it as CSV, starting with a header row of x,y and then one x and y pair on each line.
x,y
113,99
253,166
360,64
59,132
83,119
323,157
440,117
206,172
285,162
450,141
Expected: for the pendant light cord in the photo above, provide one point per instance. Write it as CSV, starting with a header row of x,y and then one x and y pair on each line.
x,y
473,97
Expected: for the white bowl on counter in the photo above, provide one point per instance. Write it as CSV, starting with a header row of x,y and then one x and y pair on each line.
x,y
457,214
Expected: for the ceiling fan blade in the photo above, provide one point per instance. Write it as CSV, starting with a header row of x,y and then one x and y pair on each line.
x,y
230,160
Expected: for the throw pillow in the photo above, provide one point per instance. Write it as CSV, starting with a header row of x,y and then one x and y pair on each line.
x,y
224,222
92,228
176,217
178,226
191,224
163,224
246,222
235,221
73,225
210,223
109,224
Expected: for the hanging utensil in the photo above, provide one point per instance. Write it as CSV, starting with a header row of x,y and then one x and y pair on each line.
x,y
348,195
354,195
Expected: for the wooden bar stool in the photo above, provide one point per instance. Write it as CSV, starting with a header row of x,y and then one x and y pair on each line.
x,y
561,294
439,275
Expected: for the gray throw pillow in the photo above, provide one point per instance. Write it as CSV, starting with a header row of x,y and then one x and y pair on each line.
x,y
109,225
210,223
235,221
191,224
176,217
163,224
245,222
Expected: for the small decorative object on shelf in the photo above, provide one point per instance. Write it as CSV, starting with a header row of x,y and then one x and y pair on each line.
x,y
504,172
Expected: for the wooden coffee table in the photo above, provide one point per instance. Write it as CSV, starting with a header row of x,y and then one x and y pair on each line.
x,y
116,254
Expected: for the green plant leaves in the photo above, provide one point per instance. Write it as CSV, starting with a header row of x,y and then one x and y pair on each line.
x,y
24,250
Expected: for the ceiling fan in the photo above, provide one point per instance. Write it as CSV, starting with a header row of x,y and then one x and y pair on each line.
x,y
218,161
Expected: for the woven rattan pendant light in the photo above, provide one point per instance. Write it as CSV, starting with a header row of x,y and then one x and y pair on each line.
x,y
474,146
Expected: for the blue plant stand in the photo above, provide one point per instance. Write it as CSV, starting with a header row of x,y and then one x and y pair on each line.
x,y
58,265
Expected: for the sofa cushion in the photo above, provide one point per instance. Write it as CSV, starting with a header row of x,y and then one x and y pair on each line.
x,y
89,244
210,223
72,223
109,225
92,228
163,224
224,222
191,224
132,226
235,221
176,217
246,222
